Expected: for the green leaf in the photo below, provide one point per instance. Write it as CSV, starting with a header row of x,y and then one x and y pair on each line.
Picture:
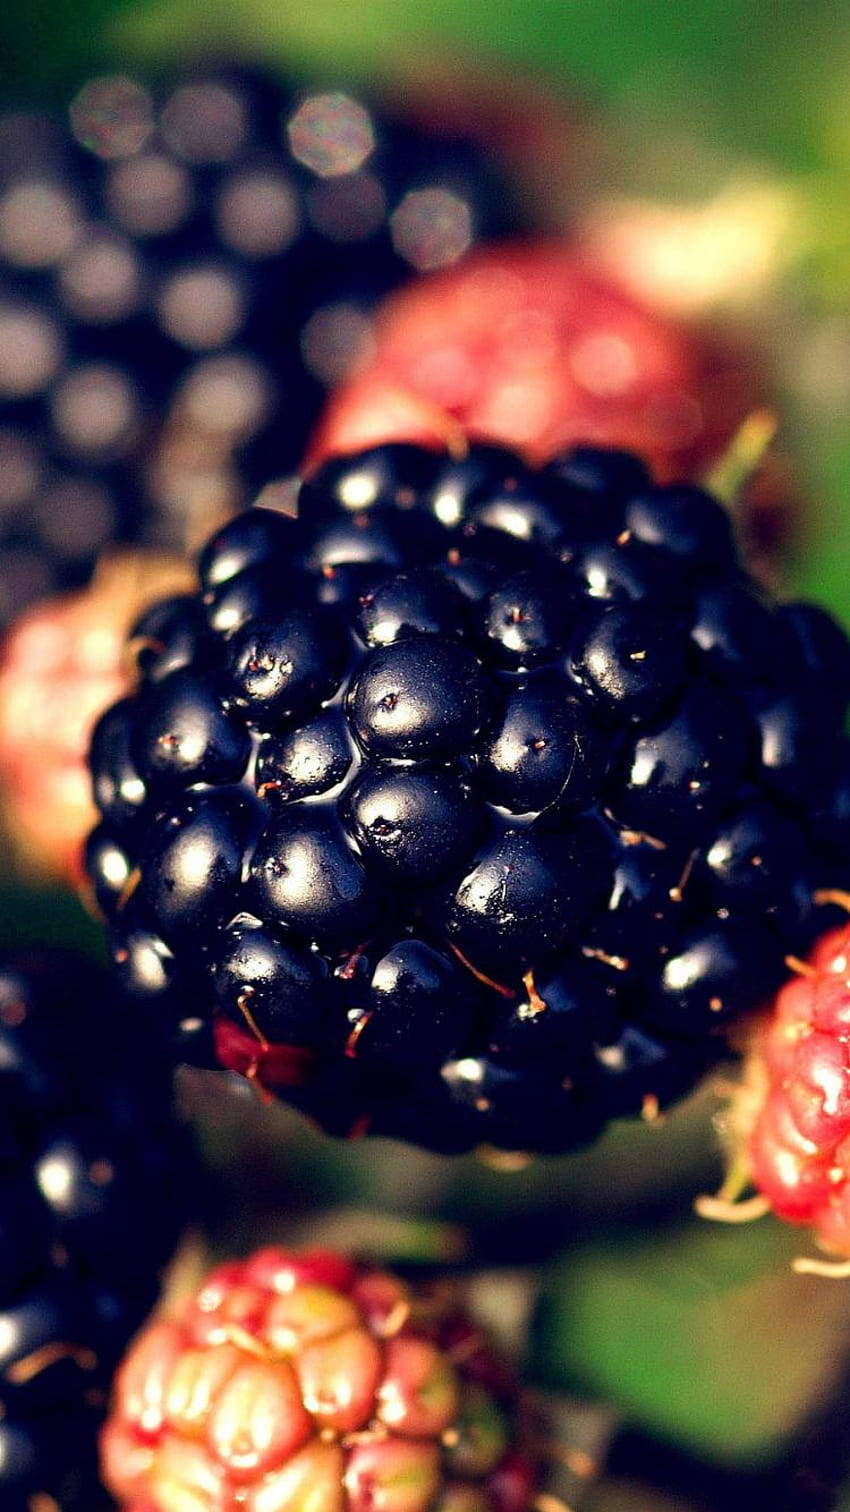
x,y
699,1334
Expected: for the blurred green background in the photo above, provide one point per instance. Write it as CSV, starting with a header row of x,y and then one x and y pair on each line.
x,y
700,1338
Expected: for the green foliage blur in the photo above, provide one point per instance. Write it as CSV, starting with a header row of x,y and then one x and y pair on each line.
x,y
759,76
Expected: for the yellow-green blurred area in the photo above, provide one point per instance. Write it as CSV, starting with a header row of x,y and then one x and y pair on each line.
x,y
711,144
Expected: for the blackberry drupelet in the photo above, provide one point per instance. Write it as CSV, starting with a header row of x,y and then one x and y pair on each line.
x,y
93,1168
181,278
468,816
302,1379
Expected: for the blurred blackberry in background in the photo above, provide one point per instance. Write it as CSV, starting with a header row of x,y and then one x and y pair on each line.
x,y
181,277
474,804
94,1195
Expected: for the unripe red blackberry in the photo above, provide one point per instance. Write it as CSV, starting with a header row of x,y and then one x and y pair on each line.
x,y
529,345
304,1382
798,1148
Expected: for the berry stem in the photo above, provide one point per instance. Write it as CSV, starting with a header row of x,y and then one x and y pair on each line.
x,y
742,457
836,895
834,1270
729,1205
731,1210
800,968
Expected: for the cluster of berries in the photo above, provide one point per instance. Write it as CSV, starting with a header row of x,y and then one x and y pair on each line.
x,y
474,799
299,1381
180,279
95,1173
474,804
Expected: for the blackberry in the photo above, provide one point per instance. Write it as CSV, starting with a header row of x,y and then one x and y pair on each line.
x,y
182,276
459,824
93,1171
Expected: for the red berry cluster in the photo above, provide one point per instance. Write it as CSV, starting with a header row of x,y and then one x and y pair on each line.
x,y
799,1147
302,1383
527,345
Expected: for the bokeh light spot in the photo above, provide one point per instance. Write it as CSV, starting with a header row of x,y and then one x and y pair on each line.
x,y
336,341
112,116
331,134
432,228
258,213
149,195
202,307
31,351
39,222
205,123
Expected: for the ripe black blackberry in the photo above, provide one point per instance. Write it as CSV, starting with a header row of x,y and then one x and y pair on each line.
x,y
94,1169
476,803
181,277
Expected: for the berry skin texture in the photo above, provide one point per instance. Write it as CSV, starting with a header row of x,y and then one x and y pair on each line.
x,y
628,661
455,810
799,1146
302,1381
